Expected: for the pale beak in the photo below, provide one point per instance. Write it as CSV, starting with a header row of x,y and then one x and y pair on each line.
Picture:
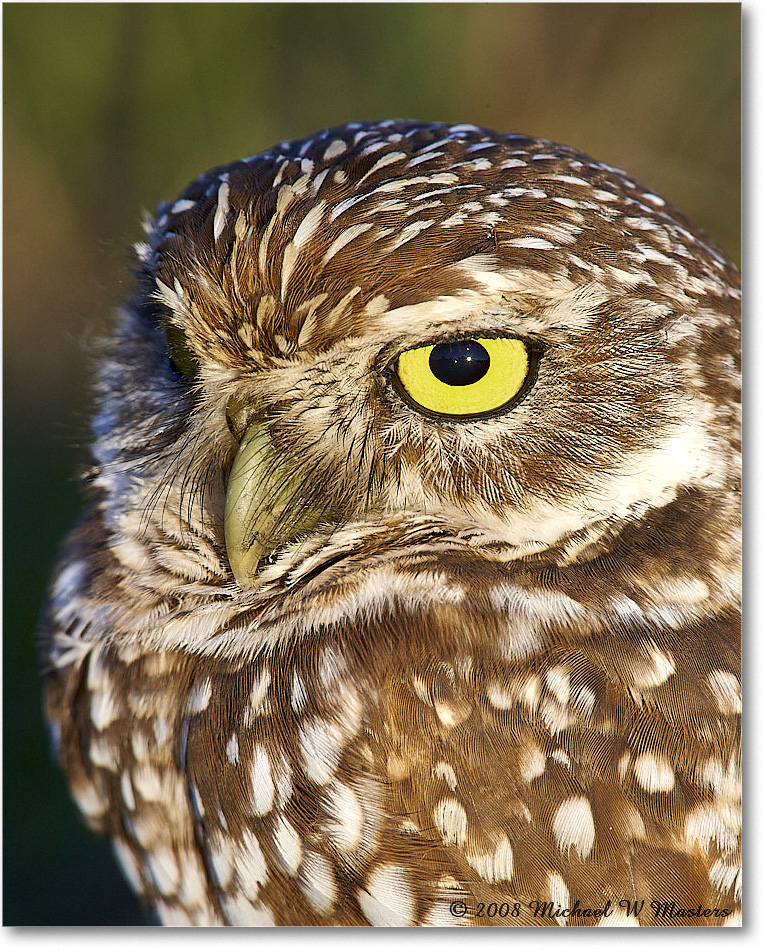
x,y
263,507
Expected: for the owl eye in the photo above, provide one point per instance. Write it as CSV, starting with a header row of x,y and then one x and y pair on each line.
x,y
465,377
184,359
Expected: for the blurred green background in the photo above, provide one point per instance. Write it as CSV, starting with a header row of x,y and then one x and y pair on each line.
x,y
110,109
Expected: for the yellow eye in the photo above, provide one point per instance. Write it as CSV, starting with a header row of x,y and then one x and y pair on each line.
x,y
184,359
465,377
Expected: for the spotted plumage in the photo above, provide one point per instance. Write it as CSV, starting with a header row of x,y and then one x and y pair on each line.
x,y
324,652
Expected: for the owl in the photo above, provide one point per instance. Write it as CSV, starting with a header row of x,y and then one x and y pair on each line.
x,y
408,587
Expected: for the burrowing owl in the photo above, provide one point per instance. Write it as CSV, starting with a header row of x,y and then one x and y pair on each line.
x,y
408,587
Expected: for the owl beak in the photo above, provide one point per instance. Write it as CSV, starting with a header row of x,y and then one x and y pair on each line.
x,y
262,508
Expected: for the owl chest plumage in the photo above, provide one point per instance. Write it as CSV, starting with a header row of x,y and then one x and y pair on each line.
x,y
489,746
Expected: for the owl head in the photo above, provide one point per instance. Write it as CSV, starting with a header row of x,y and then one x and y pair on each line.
x,y
394,335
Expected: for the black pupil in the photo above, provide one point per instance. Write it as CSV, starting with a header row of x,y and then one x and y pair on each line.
x,y
460,363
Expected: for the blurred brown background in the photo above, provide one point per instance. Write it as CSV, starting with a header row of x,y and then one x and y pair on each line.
x,y
110,109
